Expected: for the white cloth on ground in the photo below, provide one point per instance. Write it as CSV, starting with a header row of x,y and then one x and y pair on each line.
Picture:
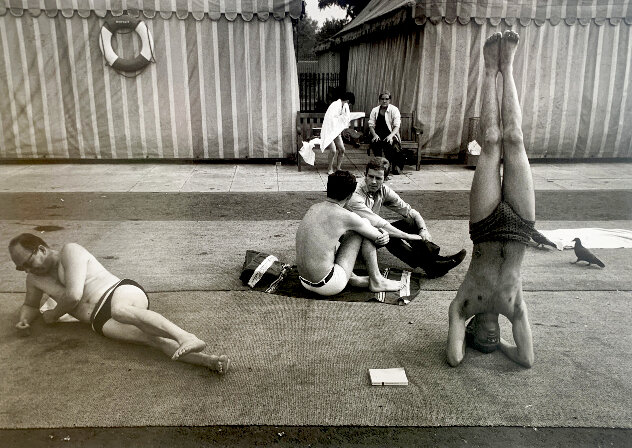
x,y
592,238
307,151
50,304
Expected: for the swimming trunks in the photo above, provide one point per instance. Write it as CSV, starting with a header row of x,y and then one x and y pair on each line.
x,y
331,284
503,224
102,312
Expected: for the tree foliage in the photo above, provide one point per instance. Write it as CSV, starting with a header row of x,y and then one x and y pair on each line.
x,y
330,28
353,7
306,35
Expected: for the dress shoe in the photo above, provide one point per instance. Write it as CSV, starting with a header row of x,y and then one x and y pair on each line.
x,y
443,264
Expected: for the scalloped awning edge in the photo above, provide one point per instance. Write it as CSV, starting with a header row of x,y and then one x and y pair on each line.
x,y
524,21
247,16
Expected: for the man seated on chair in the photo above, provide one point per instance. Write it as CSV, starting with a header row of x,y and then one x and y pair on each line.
x,y
502,219
384,123
371,195
329,239
114,308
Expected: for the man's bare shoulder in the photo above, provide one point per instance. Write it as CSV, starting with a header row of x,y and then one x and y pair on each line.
x,y
32,281
330,212
74,251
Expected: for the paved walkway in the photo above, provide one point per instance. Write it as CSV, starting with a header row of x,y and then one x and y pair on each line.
x,y
248,177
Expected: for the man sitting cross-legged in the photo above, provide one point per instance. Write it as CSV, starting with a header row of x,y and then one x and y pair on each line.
x,y
502,218
371,195
324,267
117,309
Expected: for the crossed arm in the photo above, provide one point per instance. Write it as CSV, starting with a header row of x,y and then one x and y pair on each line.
x,y
74,260
364,227
357,205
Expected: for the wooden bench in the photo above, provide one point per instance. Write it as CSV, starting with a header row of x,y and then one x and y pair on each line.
x,y
410,134
309,123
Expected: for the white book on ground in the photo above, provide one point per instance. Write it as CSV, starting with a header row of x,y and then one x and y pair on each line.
x,y
388,377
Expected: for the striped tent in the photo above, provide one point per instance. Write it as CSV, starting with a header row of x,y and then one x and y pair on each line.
x,y
223,85
572,69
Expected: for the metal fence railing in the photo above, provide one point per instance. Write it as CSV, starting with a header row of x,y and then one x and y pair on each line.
x,y
317,90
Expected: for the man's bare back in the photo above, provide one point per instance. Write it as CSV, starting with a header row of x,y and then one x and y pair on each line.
x,y
329,239
318,236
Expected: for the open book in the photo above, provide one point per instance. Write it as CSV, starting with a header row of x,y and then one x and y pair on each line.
x,y
388,377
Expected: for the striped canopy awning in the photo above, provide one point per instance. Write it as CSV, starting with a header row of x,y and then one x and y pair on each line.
x,y
381,15
225,87
554,11
199,9
573,71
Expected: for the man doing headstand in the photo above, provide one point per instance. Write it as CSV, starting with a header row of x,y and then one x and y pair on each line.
x,y
115,308
502,218
325,268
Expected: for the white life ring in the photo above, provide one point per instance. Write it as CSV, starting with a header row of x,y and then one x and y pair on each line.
x,y
125,22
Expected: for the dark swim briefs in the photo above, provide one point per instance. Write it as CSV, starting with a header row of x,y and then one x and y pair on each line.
x,y
102,312
504,224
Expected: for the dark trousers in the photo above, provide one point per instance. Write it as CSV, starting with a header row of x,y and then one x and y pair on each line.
x,y
413,253
392,152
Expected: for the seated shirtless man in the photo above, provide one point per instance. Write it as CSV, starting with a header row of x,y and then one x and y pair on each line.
x,y
83,288
325,268
502,218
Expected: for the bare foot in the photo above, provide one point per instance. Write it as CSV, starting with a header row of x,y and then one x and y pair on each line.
x,y
491,52
359,281
190,344
508,47
330,172
384,285
220,364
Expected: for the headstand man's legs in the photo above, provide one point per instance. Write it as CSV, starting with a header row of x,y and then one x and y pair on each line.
x,y
517,180
485,193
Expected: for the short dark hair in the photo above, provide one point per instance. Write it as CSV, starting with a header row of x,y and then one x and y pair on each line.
x,y
378,163
341,185
28,241
349,96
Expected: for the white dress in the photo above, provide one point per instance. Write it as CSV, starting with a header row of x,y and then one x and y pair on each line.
x,y
336,120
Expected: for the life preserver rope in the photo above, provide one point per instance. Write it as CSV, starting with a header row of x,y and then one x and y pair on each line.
x,y
126,22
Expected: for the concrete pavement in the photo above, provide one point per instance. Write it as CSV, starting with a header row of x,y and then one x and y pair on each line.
x,y
270,177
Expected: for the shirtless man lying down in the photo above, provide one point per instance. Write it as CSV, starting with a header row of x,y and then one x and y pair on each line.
x,y
115,308
324,260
